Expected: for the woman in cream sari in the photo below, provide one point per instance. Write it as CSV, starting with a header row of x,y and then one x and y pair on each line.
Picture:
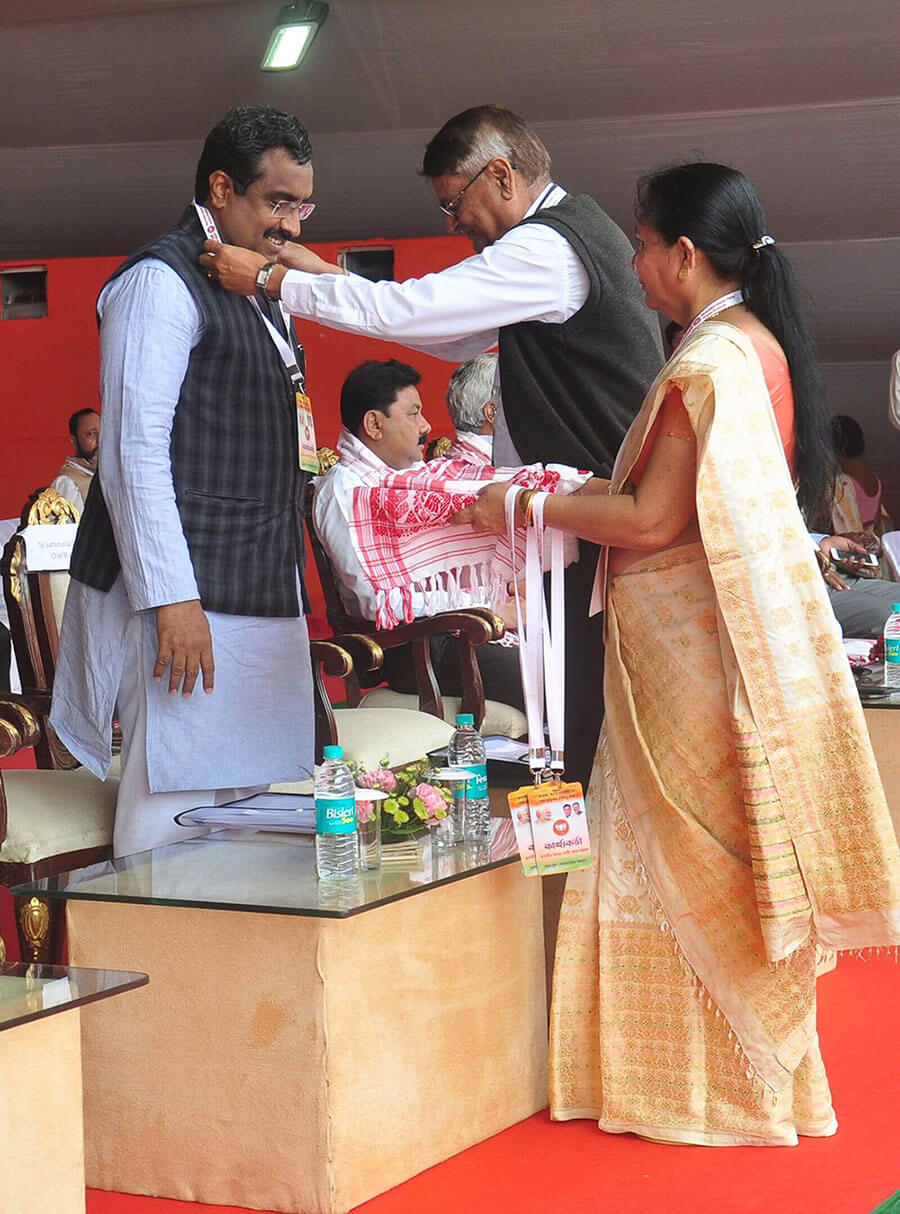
x,y
738,823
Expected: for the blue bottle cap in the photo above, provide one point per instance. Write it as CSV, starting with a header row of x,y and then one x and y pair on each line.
x,y
333,752
465,718
894,607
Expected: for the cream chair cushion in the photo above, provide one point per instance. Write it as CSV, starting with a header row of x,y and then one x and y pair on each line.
x,y
304,787
498,717
398,734
50,813
59,589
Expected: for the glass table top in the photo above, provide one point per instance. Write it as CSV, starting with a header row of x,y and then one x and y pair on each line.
x,y
30,992
878,697
274,874
873,692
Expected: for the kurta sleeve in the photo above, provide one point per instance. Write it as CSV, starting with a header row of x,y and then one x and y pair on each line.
x,y
149,325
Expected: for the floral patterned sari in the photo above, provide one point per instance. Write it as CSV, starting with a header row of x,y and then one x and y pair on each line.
x,y
738,820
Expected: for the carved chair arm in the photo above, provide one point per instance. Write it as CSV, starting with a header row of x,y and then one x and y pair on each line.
x,y
19,726
472,627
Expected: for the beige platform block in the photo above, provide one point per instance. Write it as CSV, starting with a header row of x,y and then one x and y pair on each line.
x,y
884,731
41,1141
306,1065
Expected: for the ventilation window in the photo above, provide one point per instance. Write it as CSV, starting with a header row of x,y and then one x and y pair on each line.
x,y
374,264
23,293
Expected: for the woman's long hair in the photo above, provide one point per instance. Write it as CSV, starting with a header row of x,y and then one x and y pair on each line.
x,y
718,209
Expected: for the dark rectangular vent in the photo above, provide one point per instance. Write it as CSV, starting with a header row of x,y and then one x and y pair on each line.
x,y
374,264
23,293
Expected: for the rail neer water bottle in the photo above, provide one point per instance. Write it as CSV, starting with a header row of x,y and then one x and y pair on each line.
x,y
466,750
892,647
337,843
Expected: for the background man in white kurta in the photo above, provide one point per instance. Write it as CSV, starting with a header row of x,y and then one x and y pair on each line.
x,y
188,559
75,476
472,409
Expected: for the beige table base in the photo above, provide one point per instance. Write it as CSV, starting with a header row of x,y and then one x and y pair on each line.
x,y
306,1065
884,730
41,1144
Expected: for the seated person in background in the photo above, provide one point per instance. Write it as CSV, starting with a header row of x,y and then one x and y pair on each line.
x,y
472,409
861,600
75,476
384,430
857,497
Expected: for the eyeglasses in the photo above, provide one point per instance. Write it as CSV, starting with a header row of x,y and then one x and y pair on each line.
x,y
451,208
281,207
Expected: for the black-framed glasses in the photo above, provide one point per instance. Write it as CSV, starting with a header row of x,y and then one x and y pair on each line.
x,y
451,208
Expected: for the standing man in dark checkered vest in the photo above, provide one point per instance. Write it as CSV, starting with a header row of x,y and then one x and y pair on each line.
x,y
187,567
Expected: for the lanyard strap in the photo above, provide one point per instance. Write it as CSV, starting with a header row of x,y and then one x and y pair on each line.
x,y
286,351
554,635
713,309
541,640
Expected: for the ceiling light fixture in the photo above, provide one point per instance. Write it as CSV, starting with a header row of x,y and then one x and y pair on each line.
x,y
294,31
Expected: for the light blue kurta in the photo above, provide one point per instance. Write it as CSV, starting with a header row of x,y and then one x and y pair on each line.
x,y
257,726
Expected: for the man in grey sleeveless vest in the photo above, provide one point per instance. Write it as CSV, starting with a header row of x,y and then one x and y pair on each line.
x,y
552,284
187,566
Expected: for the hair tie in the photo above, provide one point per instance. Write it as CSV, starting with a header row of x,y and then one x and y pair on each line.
x,y
762,242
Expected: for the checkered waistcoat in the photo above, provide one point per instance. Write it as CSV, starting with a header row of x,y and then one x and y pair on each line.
x,y
234,449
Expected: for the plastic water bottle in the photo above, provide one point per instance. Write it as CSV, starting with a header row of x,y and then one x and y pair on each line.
x,y
337,843
892,647
466,750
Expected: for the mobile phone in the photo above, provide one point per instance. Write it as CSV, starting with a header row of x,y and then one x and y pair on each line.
x,y
867,559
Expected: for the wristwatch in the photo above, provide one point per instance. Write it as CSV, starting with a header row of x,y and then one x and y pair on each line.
x,y
265,273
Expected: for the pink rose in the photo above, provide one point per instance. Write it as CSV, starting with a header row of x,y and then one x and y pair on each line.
x,y
364,811
382,778
430,798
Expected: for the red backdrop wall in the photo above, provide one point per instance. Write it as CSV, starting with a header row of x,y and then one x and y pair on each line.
x,y
49,367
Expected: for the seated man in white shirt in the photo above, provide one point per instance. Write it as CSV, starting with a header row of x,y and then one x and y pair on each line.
x,y
75,476
384,430
472,409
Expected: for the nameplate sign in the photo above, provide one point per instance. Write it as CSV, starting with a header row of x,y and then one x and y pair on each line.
x,y
49,547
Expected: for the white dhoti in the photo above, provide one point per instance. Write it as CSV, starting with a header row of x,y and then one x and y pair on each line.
x,y
255,729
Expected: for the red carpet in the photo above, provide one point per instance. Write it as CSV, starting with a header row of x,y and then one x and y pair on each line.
x,y
541,1168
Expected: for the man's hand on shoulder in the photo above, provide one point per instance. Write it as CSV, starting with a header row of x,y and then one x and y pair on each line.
x,y
184,642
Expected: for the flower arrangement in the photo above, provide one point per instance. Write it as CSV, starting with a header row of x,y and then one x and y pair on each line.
x,y
411,804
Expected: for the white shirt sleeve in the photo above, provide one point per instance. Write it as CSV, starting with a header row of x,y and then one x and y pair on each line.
x,y
531,273
66,487
149,325
894,391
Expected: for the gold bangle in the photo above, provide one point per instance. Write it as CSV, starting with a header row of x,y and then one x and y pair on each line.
x,y
528,510
824,561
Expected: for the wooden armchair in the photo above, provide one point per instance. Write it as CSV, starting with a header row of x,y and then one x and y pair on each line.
x,y
35,602
51,821
471,627
367,734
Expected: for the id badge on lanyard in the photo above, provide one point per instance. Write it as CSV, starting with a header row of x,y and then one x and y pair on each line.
x,y
549,815
306,429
